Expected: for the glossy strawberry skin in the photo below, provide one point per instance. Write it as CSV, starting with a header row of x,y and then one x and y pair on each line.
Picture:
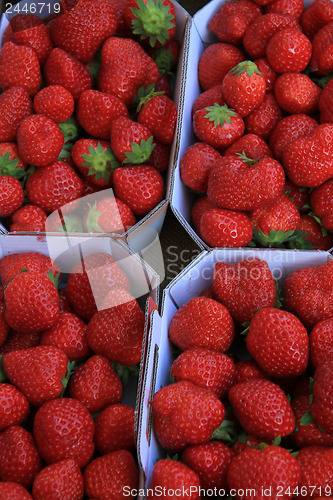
x,y
196,164
225,228
63,479
322,396
89,168
19,67
215,62
12,264
11,195
316,470
321,342
171,474
220,136
209,98
307,434
247,370
315,234
55,102
252,145
17,341
14,406
263,120
322,46
28,218
15,105
325,104
279,214
321,200
297,93
318,13
115,429
110,215
12,491
125,132
289,8
159,114
289,50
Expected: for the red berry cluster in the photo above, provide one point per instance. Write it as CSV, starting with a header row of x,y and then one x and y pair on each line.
x,y
234,422
102,118
264,161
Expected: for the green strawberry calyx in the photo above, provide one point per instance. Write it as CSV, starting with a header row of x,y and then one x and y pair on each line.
x,y
317,219
247,160
226,432
100,163
248,67
164,60
125,372
54,279
71,367
140,152
299,241
70,129
152,20
3,377
147,97
219,114
71,224
8,166
91,223
274,238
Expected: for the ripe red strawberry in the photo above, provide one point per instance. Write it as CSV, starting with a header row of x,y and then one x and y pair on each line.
x,y
111,476
325,104
63,480
322,50
95,384
15,104
31,303
4,327
308,294
95,160
322,396
12,264
218,126
293,9
109,215
184,414
307,160
140,187
305,433
297,93
200,206
19,67
246,370
322,202
90,281
215,62
63,69
93,104
172,475
239,183
39,140
63,429
11,195
225,228
297,194
117,332
55,102
10,159
14,406
316,464
114,429
263,120
209,98
28,218
316,234
321,342
318,13
273,468
289,50
196,164
17,341
159,114
244,88
205,368
244,287
160,156
278,342
131,142
14,491
53,186
202,323
231,20
250,145
262,408
69,335
19,458
267,72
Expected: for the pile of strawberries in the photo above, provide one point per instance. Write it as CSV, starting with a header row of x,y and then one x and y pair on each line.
x,y
264,162
250,415
64,430
86,106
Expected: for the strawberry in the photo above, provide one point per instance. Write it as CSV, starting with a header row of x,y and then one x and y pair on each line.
x,y
53,186
12,264
231,20
63,480
272,469
305,433
278,342
244,88
29,218
10,158
55,102
209,98
263,120
63,69
14,406
170,475
298,195
64,429
166,58
11,195
244,287
4,327
322,202
109,215
69,335
196,164
95,160
117,332
267,72
325,104
293,9
321,342
110,476
140,187
218,126
17,341
159,115
19,67
247,370
322,396
322,50
114,429
318,13
205,368
316,235
90,281
215,62
106,107
307,160
14,491
289,50
39,140
211,462
160,156
19,458
297,93
95,384
184,414
239,183
82,29
225,228
316,470
262,408
308,294
200,206
15,104
250,145
131,142
288,130
202,323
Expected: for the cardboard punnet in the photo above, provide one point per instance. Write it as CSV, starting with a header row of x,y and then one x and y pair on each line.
x,y
195,278
182,197
140,235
